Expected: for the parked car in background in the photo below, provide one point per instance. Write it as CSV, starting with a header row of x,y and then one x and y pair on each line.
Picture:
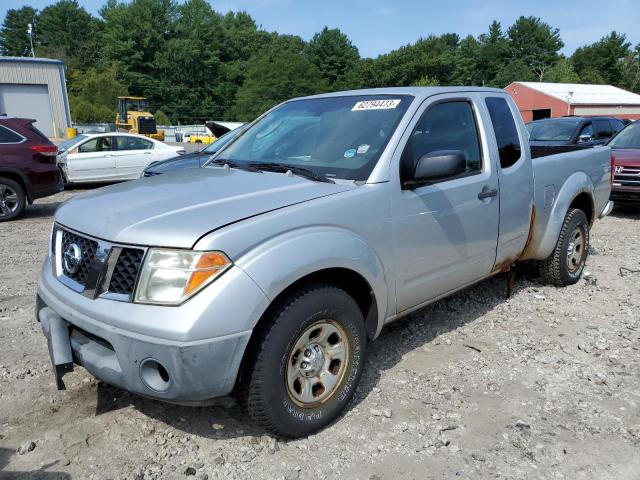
x,y
191,160
564,134
626,157
28,167
268,272
110,157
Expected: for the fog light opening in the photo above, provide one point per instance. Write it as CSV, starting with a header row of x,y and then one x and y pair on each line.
x,y
154,375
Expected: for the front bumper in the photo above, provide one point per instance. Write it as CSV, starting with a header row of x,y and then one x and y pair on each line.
x,y
173,366
629,195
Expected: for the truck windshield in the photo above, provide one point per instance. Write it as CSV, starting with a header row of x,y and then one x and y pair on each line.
x,y
552,130
334,137
627,138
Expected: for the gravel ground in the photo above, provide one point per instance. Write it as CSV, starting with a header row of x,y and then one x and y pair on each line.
x,y
543,385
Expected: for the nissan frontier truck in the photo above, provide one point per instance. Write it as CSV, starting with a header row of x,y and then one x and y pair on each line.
x,y
266,274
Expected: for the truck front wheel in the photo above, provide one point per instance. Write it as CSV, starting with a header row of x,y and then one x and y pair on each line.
x,y
308,362
566,263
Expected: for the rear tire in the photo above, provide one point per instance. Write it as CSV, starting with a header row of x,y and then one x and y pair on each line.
x,y
13,200
307,363
567,261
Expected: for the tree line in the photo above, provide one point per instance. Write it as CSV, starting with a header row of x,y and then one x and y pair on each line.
x,y
195,64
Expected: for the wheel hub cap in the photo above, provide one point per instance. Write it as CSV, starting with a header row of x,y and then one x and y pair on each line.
x,y
317,363
8,200
575,252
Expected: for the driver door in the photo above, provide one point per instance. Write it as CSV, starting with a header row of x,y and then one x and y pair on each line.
x,y
446,229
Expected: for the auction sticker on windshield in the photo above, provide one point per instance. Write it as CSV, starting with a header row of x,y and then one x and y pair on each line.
x,y
376,105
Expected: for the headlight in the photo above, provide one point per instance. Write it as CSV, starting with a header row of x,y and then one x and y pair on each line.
x,y
169,277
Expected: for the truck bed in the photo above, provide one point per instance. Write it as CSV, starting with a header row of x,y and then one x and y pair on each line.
x,y
556,179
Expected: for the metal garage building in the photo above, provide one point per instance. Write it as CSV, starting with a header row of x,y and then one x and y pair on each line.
x,y
35,88
538,100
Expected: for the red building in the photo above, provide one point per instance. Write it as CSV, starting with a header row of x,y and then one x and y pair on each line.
x,y
538,100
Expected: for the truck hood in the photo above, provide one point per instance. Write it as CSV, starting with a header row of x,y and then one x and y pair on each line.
x,y
176,209
626,157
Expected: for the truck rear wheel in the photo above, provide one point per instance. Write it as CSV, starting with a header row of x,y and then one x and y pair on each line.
x,y
13,200
566,263
308,362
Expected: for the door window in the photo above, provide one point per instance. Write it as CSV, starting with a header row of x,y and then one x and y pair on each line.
x,y
444,126
504,128
97,144
133,143
602,129
9,136
616,125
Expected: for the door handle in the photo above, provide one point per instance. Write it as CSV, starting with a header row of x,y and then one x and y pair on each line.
x,y
487,193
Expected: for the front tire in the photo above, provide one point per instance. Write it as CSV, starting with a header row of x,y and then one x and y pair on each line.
x,y
13,200
307,363
567,261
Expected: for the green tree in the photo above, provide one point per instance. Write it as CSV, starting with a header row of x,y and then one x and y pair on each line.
x,y
335,56
534,43
14,40
513,71
161,118
275,73
188,66
426,81
134,34
66,31
561,72
630,78
494,53
602,60
93,94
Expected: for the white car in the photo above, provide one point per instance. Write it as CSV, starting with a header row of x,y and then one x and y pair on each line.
x,y
106,157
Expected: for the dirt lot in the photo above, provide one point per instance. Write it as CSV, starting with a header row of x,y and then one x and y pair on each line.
x,y
543,385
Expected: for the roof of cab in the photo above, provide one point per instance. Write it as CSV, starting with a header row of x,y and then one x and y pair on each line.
x,y
422,92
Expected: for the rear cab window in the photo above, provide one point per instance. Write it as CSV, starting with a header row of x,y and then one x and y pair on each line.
x,y
505,130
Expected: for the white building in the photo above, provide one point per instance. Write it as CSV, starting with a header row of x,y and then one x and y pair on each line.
x,y
35,88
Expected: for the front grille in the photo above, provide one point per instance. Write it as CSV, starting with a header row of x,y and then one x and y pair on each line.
x,y
125,273
627,176
96,268
87,248
147,125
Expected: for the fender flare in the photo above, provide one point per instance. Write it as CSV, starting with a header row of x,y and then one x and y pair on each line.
x,y
576,184
302,252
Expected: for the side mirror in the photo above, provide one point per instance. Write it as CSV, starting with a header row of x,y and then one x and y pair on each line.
x,y
584,138
440,164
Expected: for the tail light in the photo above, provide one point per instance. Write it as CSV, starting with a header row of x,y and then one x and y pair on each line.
x,y
47,151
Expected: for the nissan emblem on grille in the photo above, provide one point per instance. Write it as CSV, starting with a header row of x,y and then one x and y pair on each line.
x,y
71,257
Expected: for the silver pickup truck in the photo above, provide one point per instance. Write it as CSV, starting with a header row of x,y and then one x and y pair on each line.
x,y
267,273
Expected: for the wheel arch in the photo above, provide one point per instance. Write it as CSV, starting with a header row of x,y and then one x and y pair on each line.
x,y
20,179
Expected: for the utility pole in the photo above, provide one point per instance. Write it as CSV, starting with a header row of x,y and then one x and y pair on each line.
x,y
30,33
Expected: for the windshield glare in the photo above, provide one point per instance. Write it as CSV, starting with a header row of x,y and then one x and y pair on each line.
x,y
63,146
223,140
552,131
338,137
627,138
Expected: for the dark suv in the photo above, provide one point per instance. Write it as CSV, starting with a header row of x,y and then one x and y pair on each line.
x,y
564,134
28,167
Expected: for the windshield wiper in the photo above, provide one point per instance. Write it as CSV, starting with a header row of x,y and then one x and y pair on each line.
x,y
283,168
222,161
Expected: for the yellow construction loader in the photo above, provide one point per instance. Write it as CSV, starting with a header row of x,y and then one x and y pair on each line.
x,y
134,117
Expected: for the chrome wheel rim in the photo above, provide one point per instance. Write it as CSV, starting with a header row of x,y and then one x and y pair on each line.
x,y
317,363
8,201
575,252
